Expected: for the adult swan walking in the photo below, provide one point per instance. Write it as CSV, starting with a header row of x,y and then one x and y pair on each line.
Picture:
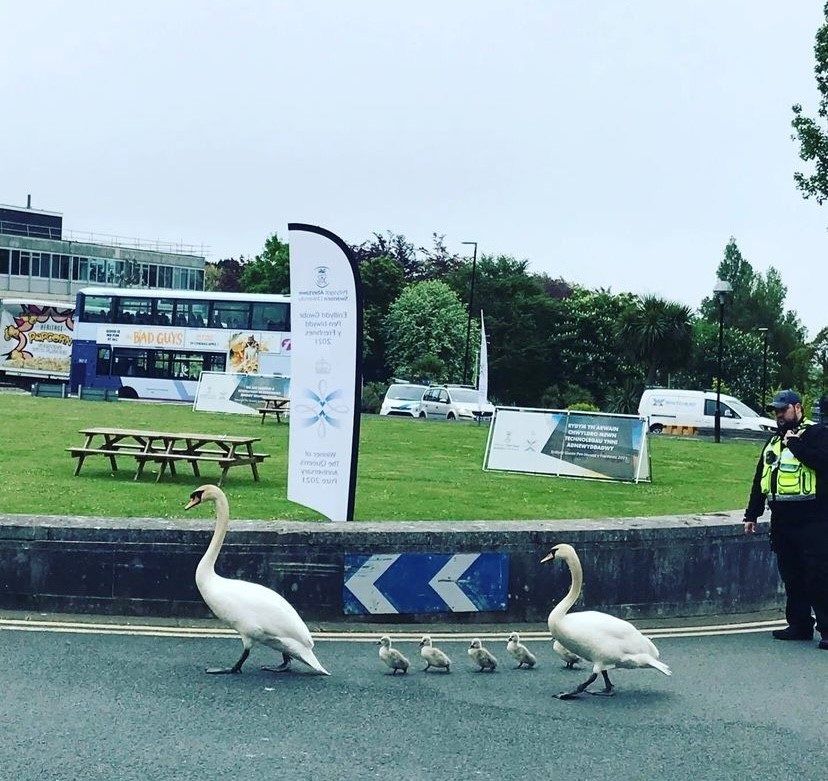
x,y
257,613
604,640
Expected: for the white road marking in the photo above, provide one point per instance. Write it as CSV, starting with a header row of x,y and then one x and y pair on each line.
x,y
139,630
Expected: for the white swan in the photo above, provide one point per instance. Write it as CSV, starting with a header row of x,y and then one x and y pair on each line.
x,y
257,613
520,652
391,656
604,640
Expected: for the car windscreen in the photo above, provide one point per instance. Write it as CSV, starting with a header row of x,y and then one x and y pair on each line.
x,y
405,392
742,409
465,395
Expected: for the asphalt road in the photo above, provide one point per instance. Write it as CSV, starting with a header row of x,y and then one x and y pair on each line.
x,y
87,706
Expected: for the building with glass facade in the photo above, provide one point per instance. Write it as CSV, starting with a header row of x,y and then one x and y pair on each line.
x,y
37,258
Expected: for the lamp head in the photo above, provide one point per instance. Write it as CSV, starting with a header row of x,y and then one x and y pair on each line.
x,y
721,290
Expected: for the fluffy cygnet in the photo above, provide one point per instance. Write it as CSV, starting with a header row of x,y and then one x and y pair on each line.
x,y
481,656
434,657
565,654
391,656
523,655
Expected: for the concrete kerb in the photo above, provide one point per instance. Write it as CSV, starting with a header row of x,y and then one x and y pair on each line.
x,y
691,567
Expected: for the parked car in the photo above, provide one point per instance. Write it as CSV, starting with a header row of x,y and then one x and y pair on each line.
x,y
672,407
454,403
403,399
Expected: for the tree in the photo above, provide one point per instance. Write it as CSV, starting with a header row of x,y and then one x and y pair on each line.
x,y
813,140
426,322
268,272
658,333
226,275
382,282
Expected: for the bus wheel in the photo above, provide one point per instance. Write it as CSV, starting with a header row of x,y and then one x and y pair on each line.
x,y
127,393
656,428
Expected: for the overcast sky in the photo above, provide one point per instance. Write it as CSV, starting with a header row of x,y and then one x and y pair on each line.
x,y
616,144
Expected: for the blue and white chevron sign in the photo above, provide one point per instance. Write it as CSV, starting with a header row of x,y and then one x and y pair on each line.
x,y
425,583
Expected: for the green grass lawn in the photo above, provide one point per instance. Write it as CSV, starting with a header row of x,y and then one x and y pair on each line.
x,y
408,470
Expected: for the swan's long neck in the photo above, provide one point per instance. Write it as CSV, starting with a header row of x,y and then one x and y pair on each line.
x,y
208,561
574,592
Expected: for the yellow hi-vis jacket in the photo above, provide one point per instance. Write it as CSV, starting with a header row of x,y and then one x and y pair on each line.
x,y
784,477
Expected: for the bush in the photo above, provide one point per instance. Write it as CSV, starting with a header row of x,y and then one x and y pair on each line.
x,y
372,395
583,406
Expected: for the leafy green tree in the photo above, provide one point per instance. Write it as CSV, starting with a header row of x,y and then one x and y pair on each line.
x,y
658,333
427,319
268,272
382,282
813,140
759,301
224,275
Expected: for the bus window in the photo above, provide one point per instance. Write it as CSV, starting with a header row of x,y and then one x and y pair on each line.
x,y
230,314
164,309
104,355
97,309
215,362
135,311
191,313
271,317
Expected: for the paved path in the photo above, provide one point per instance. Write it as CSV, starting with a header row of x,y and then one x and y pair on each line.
x,y
107,706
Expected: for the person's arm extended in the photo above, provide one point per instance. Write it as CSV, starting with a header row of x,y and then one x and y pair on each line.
x,y
756,501
810,446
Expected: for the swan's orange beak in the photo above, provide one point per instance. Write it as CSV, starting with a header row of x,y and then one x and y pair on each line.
x,y
195,498
548,557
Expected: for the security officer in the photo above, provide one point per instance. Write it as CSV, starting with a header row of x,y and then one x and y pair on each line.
x,y
792,476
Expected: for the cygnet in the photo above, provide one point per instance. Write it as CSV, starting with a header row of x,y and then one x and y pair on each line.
x,y
434,657
391,656
481,656
565,654
523,655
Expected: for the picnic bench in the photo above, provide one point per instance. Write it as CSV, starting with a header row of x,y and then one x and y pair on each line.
x,y
276,405
168,449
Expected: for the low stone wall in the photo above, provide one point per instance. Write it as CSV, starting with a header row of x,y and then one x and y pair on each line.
x,y
635,567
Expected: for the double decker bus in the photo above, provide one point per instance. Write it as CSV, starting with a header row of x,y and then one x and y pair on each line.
x,y
36,338
154,344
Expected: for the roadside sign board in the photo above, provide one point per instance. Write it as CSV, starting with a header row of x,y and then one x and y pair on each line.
x,y
569,443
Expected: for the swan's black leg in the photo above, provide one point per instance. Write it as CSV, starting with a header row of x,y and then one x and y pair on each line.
x,y
608,687
282,668
236,668
575,692
425,669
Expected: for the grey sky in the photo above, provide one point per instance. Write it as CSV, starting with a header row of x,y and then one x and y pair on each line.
x,y
616,144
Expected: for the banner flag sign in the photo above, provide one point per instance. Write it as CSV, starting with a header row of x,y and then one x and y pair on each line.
x,y
326,372
241,393
483,366
569,443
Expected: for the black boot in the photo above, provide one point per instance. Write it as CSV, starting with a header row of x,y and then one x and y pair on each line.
x,y
792,633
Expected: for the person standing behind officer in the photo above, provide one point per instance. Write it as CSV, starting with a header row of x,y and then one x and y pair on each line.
x,y
792,477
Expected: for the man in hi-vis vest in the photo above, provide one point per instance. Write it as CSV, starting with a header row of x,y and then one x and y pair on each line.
x,y
792,477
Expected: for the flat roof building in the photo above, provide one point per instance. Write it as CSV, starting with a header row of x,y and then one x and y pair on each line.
x,y
36,257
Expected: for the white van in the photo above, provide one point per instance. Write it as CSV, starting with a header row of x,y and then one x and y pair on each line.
x,y
670,407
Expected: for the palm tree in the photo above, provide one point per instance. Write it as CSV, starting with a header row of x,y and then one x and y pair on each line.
x,y
658,333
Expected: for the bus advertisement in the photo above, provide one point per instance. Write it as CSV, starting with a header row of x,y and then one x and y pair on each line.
x,y
36,338
154,344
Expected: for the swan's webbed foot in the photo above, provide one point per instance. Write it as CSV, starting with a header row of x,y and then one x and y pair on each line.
x,y
282,668
236,668
570,666
567,695
582,688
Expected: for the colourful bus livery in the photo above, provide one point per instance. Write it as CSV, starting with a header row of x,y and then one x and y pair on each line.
x,y
154,344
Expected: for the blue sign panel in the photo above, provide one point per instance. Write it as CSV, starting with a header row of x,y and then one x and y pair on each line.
x,y
388,583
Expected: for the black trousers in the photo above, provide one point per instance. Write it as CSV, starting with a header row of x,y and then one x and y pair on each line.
x,y
802,559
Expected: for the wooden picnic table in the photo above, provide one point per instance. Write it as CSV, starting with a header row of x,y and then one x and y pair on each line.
x,y
167,448
275,405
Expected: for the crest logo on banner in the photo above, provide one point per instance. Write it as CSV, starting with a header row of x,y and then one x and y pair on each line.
x,y
326,378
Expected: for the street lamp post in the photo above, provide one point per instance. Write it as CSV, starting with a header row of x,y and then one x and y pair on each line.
x,y
764,332
721,290
471,303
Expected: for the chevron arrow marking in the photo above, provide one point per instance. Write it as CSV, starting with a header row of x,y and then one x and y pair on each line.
x,y
361,583
445,582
